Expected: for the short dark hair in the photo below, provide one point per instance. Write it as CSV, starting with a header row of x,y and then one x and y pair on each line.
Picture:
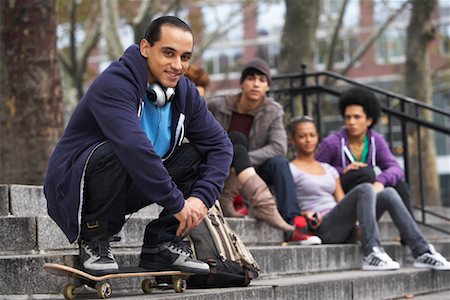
x,y
153,32
251,72
364,98
256,66
292,126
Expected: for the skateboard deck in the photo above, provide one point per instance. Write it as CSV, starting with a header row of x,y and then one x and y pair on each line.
x,y
103,287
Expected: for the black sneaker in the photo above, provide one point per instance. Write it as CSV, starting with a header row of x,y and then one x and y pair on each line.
x,y
96,257
172,256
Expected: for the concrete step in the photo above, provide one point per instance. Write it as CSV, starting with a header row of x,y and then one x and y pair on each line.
x,y
28,234
333,285
4,200
29,200
23,274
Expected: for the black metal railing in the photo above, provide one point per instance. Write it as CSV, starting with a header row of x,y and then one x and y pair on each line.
x,y
307,89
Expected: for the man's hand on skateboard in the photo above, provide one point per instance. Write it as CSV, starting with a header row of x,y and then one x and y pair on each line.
x,y
192,214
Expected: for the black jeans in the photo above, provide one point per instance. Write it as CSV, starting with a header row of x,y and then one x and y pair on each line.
x,y
355,177
276,173
110,193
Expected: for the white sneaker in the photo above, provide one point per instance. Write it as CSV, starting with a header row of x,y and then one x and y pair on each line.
x,y
379,260
433,260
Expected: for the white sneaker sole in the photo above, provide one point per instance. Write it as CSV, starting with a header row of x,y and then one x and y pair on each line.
x,y
314,240
427,266
383,268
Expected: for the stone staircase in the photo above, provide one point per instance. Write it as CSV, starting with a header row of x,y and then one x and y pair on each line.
x,y
30,238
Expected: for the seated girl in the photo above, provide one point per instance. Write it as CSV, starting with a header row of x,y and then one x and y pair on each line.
x,y
322,199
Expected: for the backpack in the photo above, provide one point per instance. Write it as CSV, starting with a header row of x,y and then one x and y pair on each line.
x,y
214,242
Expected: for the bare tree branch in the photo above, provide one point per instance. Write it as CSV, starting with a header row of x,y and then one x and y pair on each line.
x,y
222,28
92,36
110,27
72,46
335,36
143,11
74,59
373,37
65,61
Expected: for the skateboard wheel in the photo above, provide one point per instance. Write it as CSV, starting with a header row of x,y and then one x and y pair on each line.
x,y
69,292
179,285
103,290
147,285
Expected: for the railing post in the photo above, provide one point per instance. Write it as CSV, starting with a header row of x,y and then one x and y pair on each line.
x,y
420,164
292,99
303,83
317,108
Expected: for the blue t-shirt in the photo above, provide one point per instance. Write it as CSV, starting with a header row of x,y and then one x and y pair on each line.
x,y
156,123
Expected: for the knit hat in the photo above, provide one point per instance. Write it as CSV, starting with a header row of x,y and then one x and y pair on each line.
x,y
259,65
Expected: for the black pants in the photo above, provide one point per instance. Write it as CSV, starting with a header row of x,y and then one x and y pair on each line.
x,y
110,193
274,171
355,177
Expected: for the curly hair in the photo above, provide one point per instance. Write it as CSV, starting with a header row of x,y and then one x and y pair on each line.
x,y
198,76
364,98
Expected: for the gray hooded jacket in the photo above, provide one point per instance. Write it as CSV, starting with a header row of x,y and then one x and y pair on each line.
x,y
267,136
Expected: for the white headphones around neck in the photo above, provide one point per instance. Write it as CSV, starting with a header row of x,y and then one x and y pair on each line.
x,y
159,95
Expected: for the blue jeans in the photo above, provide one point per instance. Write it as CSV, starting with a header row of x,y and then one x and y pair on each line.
x,y
362,204
110,193
277,174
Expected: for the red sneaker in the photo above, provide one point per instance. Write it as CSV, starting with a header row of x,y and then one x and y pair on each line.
x,y
305,239
239,205
238,200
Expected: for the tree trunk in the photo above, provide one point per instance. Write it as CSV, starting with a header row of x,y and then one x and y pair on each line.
x,y
298,40
31,110
298,43
420,33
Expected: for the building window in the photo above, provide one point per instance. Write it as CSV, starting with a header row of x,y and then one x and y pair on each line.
x,y
390,47
343,52
445,39
218,62
383,9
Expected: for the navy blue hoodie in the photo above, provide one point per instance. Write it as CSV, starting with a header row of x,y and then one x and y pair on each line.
x,y
109,111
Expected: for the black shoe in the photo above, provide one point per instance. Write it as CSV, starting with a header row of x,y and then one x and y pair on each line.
x,y
96,257
172,256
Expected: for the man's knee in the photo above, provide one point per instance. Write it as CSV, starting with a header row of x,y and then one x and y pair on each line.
x,y
237,138
104,163
241,159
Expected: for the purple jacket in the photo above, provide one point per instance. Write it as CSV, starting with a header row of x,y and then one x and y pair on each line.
x,y
332,150
110,111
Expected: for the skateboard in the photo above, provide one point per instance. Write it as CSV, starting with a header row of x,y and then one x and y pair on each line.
x,y
103,287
